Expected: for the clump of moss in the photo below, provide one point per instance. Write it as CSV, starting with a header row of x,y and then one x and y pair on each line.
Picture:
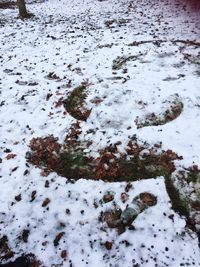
x,y
76,165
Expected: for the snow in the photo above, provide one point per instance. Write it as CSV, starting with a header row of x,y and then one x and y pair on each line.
x,y
71,39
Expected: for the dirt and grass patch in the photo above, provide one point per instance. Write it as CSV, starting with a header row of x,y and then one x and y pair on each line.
x,y
140,161
170,113
75,104
70,160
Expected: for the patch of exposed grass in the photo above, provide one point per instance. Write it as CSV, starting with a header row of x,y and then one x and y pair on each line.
x,y
170,114
75,103
179,204
139,162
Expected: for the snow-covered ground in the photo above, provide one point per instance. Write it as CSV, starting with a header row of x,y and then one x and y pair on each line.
x,y
80,41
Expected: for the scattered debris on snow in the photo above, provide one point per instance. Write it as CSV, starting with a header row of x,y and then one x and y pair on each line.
x,y
100,108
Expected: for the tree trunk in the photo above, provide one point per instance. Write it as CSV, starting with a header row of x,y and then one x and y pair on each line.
x,y
22,9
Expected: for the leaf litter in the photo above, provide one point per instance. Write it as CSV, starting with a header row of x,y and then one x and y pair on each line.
x,y
82,121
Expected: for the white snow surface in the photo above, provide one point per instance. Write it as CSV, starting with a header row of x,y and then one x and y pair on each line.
x,y
71,39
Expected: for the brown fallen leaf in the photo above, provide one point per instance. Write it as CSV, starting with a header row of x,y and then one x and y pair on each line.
x,y
57,238
45,202
11,156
